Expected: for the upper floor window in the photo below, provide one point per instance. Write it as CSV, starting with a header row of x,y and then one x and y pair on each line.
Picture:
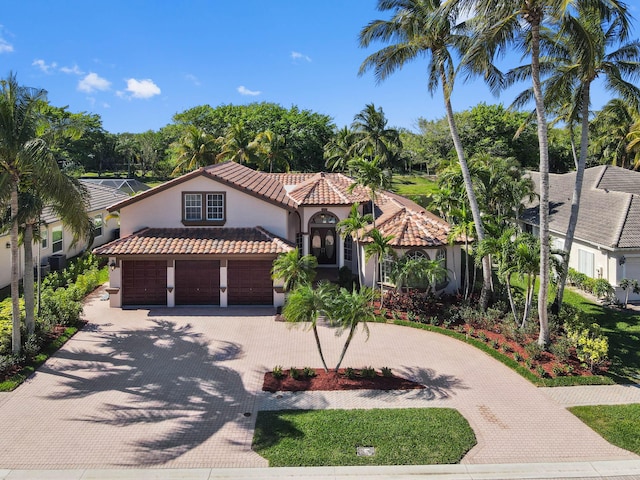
x,y
97,225
203,208
56,239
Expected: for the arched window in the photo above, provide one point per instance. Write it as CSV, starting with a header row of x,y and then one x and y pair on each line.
x,y
416,254
324,218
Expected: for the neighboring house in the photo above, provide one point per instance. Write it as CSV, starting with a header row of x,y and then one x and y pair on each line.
x,y
56,245
607,237
210,237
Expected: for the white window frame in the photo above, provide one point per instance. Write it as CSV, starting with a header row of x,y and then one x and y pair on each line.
x,y
192,207
44,238
215,207
586,262
98,226
348,248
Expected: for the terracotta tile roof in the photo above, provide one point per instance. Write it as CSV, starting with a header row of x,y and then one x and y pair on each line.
x,y
410,224
288,179
328,189
185,241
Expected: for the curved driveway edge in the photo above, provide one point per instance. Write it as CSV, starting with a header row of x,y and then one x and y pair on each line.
x,y
180,388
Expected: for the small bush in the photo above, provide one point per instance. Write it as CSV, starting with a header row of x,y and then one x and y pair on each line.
x,y
368,372
506,348
542,373
482,337
493,343
277,371
534,351
528,363
294,373
517,357
308,372
561,349
349,373
557,370
386,372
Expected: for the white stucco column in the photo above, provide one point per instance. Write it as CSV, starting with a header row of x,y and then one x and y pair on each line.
x,y
305,243
340,247
223,284
115,283
171,284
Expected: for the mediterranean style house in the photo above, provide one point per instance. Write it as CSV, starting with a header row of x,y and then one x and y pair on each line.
x,y
57,244
210,237
607,237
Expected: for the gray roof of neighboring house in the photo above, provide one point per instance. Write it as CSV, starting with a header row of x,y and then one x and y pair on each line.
x,y
100,197
609,206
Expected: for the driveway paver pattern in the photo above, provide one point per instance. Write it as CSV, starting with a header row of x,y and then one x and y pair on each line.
x,y
181,388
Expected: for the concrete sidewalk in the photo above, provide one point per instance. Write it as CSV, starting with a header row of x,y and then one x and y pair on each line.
x,y
619,470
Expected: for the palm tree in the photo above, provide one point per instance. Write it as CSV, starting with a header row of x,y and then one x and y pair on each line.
x,y
340,149
238,145
350,309
353,226
379,248
419,28
628,285
21,151
369,173
306,304
293,269
611,128
373,138
273,151
196,148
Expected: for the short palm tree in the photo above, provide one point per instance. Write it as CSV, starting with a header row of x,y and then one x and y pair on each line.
x,y
340,149
380,248
369,174
196,148
238,145
353,226
273,152
294,269
306,304
372,136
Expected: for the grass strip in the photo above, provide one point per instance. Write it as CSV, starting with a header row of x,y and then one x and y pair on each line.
x,y
14,381
617,424
412,436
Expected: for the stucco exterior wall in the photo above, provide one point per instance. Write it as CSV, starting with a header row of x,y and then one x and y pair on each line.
x,y
164,209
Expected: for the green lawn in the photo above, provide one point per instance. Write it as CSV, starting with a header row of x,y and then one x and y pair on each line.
x,y
330,437
617,424
413,185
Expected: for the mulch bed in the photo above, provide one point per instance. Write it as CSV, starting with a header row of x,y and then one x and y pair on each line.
x,y
335,381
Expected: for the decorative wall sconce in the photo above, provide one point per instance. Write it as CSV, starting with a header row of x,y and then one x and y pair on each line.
x,y
113,265
622,260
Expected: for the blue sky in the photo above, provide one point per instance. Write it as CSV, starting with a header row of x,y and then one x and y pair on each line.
x,y
136,63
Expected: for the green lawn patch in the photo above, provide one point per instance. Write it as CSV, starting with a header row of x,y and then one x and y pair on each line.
x,y
411,436
413,185
617,424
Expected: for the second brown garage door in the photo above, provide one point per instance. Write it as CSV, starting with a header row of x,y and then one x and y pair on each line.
x,y
197,282
249,282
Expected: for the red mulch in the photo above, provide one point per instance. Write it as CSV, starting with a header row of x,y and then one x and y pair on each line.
x,y
335,381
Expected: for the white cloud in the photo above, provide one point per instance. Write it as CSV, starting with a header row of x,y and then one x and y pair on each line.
x,y
42,65
245,91
300,56
5,47
192,78
142,88
75,70
93,82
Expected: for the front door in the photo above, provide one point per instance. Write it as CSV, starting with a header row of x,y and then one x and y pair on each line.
x,y
323,245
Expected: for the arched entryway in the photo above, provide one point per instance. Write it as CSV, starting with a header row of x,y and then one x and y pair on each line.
x,y
323,239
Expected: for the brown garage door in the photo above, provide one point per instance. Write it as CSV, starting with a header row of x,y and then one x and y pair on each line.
x,y
197,282
249,282
144,282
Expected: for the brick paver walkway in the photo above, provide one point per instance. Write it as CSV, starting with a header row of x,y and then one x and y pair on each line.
x,y
594,395
181,388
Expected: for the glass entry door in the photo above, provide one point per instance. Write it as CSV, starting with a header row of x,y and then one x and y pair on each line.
x,y
323,245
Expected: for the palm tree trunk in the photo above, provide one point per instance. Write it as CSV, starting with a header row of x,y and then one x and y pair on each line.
x,y
28,280
473,202
346,346
543,293
466,269
317,337
512,303
527,301
15,272
577,193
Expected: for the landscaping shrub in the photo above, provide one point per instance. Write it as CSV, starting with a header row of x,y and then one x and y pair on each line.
x,y
534,351
368,372
277,371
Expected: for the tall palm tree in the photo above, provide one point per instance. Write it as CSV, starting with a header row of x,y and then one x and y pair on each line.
x,y
379,248
273,151
196,148
294,269
238,145
353,226
340,149
610,131
350,309
21,152
369,173
419,28
306,304
373,138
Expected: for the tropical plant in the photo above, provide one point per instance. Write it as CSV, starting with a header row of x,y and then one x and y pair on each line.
x,y
294,269
350,309
372,137
420,28
272,151
354,226
306,304
629,285
610,131
196,148
238,145
369,174
340,149
379,247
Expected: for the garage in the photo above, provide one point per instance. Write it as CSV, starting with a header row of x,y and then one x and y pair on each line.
x,y
197,282
249,282
144,282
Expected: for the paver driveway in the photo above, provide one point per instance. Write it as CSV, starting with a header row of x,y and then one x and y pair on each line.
x,y
172,387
